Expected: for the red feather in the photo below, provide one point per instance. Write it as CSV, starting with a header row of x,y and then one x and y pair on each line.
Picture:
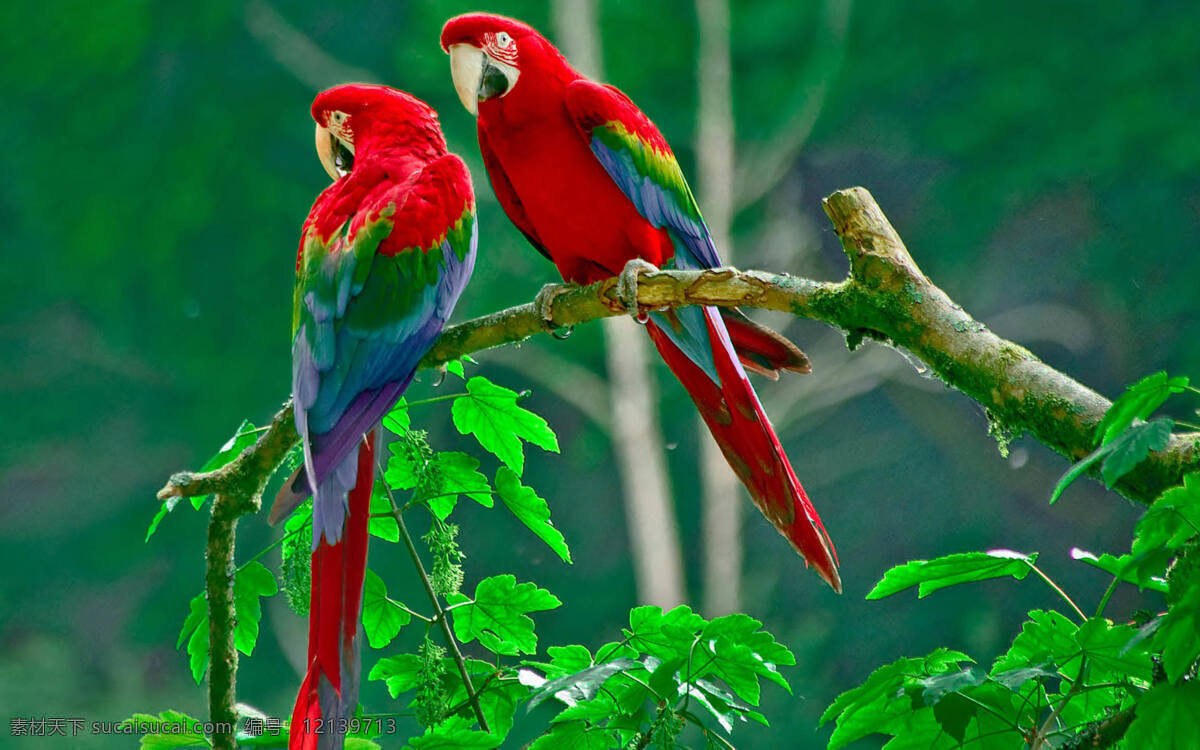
x,y
335,605
551,184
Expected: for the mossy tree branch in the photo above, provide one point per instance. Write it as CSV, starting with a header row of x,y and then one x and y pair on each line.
x,y
886,298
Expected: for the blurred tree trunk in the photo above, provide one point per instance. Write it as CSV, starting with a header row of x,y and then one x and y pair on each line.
x,y
636,437
720,493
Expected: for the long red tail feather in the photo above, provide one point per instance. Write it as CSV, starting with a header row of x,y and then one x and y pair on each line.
x,y
742,431
329,694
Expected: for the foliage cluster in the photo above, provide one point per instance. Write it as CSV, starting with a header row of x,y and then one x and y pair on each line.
x,y
667,670
1069,680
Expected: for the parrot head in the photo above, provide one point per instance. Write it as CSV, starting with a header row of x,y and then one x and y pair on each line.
x,y
490,53
355,117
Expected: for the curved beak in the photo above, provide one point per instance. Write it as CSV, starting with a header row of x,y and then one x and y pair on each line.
x,y
477,76
336,155
325,143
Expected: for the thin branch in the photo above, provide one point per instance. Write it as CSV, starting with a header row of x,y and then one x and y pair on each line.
x,y
439,614
218,585
1049,581
1041,738
886,297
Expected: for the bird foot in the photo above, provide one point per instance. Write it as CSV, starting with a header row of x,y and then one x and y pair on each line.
x,y
543,303
627,287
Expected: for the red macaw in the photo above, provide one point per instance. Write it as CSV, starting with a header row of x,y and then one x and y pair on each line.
x,y
592,184
384,255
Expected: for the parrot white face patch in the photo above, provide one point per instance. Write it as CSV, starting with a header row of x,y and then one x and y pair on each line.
x,y
501,47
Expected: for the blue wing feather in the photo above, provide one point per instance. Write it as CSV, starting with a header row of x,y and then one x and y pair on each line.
x,y
353,366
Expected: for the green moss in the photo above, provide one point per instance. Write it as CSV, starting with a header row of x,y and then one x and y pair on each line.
x,y
1002,433
911,290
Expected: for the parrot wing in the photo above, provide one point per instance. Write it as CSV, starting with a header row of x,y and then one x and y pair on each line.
x,y
638,159
703,346
507,195
370,299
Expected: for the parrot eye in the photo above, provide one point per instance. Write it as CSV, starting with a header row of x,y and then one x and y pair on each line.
x,y
503,40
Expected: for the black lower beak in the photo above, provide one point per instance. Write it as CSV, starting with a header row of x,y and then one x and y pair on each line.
x,y
343,158
493,82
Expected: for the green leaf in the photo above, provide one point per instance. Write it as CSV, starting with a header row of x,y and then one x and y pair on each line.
x,y
382,617
400,673
1132,447
1179,635
597,709
1077,469
498,615
582,685
458,473
1047,637
455,366
454,739
741,653
1107,648
404,466
251,582
195,633
397,419
245,435
879,705
665,635
167,731
718,709
498,700
664,676
1121,568
530,510
1138,402
299,517
1015,679
382,523
936,687
570,658
941,572
1172,520
920,730
1168,718
491,413
167,506
747,631
574,735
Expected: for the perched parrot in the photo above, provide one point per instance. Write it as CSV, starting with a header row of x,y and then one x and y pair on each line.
x,y
593,186
384,255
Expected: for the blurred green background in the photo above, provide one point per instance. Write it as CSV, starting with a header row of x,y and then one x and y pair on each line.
x,y
1041,160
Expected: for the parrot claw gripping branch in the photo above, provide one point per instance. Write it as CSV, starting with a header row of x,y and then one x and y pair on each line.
x,y
592,184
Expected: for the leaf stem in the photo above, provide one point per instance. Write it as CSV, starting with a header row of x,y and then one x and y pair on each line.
x,y
269,547
439,613
1108,592
708,733
1041,738
436,399
1059,589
